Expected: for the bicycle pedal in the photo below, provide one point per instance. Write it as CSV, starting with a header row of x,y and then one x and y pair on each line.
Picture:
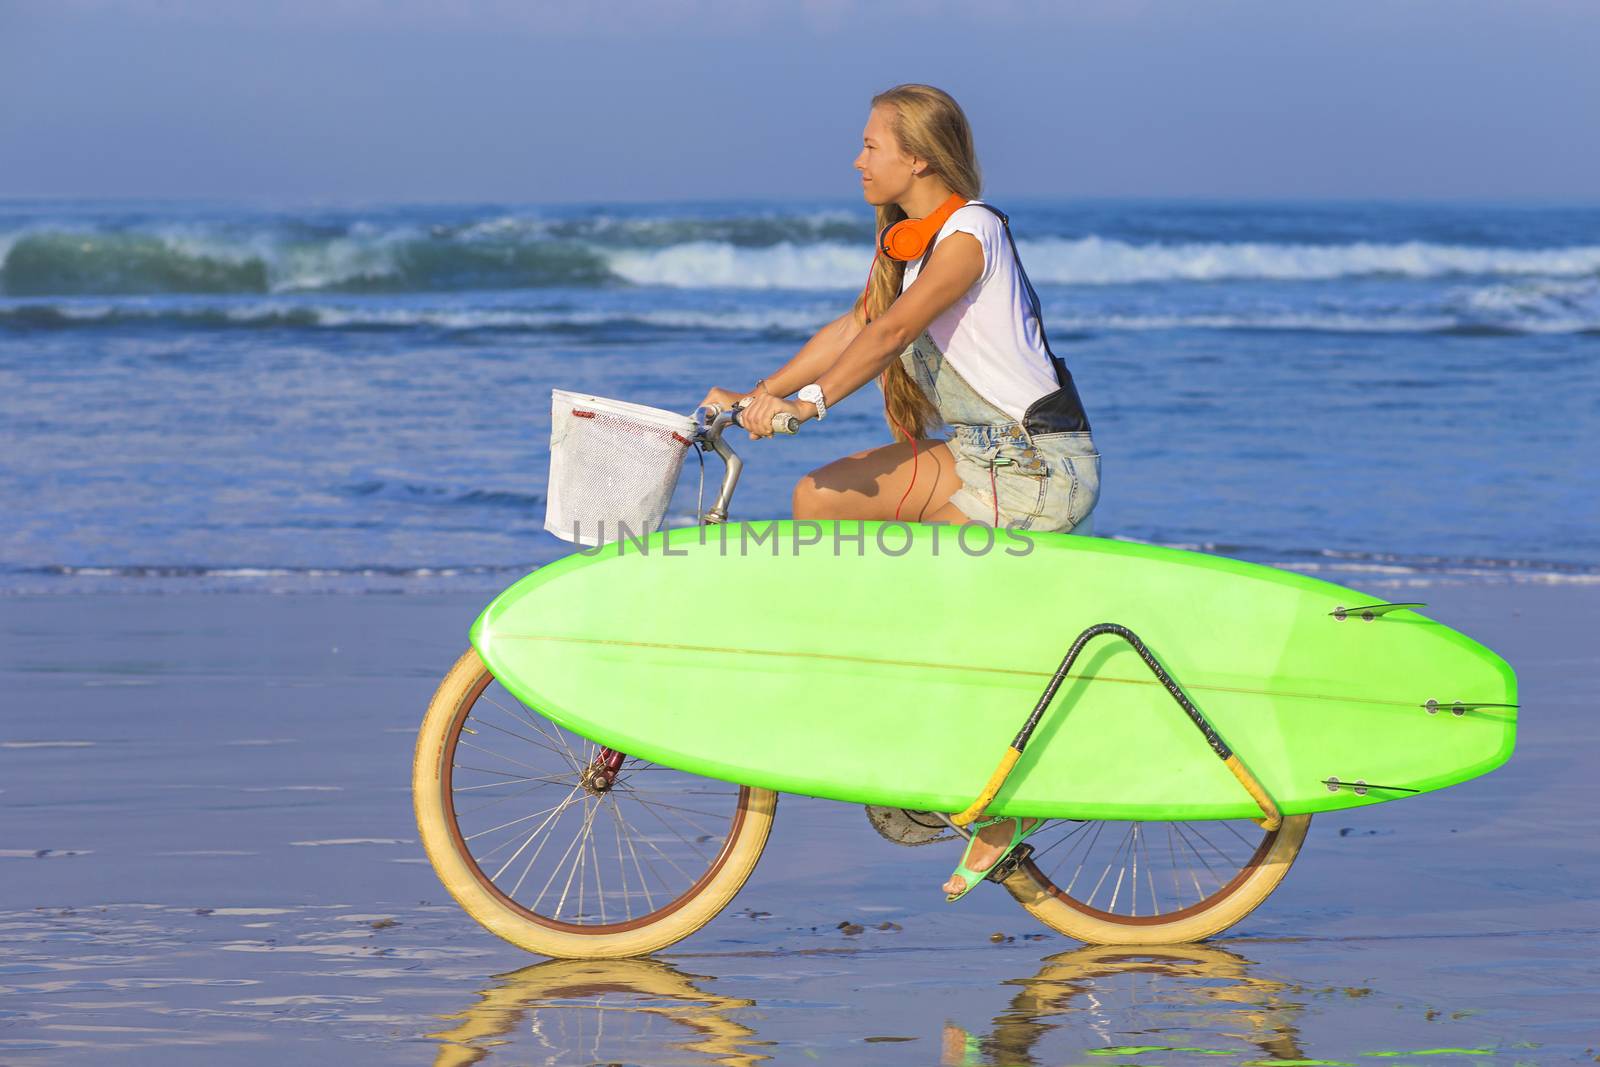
x,y
1008,866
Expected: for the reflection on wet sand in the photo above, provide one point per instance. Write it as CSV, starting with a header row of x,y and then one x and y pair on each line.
x,y
1211,991
577,1011
574,1007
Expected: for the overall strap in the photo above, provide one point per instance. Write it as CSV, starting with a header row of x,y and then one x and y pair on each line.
x,y
1033,295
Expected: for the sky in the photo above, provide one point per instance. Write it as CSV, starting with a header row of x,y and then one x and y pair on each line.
x,y
647,100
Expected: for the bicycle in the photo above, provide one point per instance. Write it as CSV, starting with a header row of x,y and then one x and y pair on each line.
x,y
569,848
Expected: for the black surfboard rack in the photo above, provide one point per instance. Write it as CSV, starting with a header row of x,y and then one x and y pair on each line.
x,y
1271,817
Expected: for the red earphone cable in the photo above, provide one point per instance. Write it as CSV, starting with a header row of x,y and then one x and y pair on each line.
x,y
913,481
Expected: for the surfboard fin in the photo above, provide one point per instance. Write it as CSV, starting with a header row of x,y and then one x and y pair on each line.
x,y
1360,786
1460,707
1368,612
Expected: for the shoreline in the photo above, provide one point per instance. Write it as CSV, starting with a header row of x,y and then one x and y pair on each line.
x,y
1376,570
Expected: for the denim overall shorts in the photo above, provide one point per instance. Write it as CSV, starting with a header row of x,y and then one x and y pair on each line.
x,y
1035,481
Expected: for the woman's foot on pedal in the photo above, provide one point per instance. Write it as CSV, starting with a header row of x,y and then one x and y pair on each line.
x,y
987,846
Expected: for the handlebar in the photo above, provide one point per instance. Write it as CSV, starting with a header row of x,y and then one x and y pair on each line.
x,y
710,421
782,421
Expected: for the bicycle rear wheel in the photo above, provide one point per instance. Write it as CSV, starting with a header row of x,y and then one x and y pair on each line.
x,y
1152,883
558,849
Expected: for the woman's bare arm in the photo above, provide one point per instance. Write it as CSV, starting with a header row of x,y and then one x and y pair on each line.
x,y
815,356
954,267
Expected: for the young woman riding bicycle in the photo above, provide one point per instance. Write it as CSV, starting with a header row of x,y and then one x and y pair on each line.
x,y
951,329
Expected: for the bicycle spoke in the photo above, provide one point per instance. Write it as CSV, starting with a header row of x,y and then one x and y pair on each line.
x,y
622,826
497,755
1194,874
518,736
1129,874
513,822
536,833
554,871
675,807
622,871
1222,856
578,863
599,879
1229,827
513,778
676,832
657,849
1077,829
1103,876
1149,878
1121,866
1172,850
1133,858
533,834
464,812
529,720
1098,827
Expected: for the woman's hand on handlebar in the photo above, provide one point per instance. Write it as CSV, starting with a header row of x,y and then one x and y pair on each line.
x,y
723,398
756,416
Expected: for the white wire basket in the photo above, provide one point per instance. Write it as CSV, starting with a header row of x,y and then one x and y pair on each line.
x,y
613,467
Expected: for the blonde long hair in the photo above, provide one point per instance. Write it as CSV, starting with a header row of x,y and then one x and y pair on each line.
x,y
929,124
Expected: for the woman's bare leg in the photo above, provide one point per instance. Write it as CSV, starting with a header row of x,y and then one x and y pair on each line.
x,y
870,485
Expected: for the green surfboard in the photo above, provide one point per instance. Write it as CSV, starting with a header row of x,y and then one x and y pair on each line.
x,y
893,663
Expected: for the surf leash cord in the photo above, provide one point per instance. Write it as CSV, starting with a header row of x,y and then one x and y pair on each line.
x,y
1271,818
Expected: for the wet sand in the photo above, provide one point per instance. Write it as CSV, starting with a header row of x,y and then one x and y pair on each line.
x,y
207,856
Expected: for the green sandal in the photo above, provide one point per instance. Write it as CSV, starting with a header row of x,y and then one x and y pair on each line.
x,y
972,877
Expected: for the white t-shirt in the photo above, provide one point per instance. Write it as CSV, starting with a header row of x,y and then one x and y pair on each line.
x,y
990,335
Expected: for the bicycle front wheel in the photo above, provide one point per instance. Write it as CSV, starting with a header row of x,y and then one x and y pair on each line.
x,y
562,847
1152,883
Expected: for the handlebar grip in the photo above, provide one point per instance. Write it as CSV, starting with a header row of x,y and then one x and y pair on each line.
x,y
782,421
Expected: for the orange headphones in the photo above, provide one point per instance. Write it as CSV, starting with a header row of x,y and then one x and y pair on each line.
x,y
908,238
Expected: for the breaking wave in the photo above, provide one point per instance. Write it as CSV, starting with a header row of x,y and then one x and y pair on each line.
x,y
355,317
826,251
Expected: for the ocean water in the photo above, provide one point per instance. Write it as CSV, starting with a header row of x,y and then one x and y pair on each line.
x,y
205,396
